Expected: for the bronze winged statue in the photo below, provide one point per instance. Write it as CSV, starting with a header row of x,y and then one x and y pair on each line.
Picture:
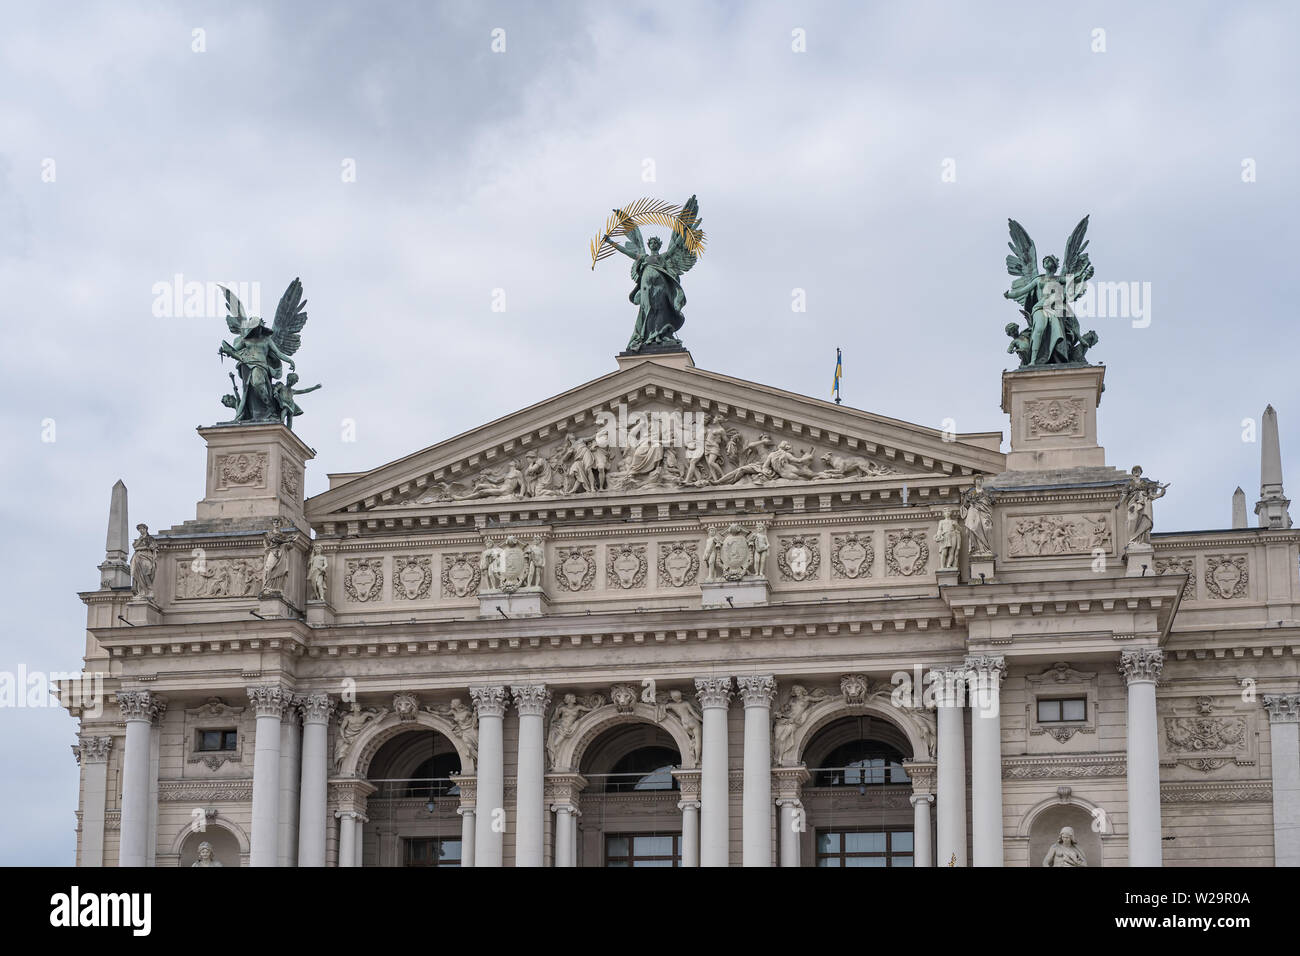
x,y
1051,335
261,354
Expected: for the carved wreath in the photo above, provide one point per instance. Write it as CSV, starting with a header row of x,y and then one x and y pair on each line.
x,y
1176,566
678,552
243,469
619,556
406,584
1226,576
907,540
460,574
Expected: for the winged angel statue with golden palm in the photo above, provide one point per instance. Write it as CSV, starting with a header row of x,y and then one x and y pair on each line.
x,y
1047,300
657,292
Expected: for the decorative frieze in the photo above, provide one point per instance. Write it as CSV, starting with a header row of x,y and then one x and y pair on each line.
x,y
1226,576
412,576
679,563
1253,792
852,555
1058,417
625,566
200,578
1072,767
1056,534
209,791
1205,739
363,579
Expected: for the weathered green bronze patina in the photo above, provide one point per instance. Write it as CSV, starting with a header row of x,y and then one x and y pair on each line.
x,y
658,293
262,354
1051,335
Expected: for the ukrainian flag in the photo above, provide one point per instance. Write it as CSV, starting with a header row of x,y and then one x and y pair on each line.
x,y
839,370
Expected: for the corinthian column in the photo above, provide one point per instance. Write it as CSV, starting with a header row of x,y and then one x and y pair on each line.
x,y
530,788
984,683
922,777
269,702
950,686
489,810
92,755
139,709
714,694
312,794
688,783
1284,735
1141,668
756,802
290,772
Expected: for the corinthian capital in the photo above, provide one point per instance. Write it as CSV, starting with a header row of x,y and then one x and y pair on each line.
x,y
987,666
1142,664
757,691
1282,708
140,705
316,708
269,700
713,691
489,700
92,749
531,699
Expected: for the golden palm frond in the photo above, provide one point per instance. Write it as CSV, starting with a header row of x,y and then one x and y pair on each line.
x,y
644,212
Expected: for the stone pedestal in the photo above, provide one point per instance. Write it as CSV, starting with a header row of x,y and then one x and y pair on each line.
x,y
1053,413
1139,559
673,356
255,471
945,577
747,592
140,611
530,602
320,614
981,569
271,604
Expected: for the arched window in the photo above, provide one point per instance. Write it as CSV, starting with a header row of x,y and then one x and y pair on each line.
x,y
861,763
432,777
647,768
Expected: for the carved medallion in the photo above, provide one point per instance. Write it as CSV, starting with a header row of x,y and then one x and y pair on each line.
x,y
735,553
290,482
511,567
241,469
799,558
852,555
1035,535
575,568
412,577
679,563
906,552
364,579
459,574
1226,576
1206,741
1055,416
1180,566
625,566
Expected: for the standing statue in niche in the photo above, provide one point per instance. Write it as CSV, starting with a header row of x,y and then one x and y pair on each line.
x,y
657,292
1065,851
144,563
712,557
977,512
1046,300
206,856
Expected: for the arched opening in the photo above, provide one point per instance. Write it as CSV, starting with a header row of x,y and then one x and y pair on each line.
x,y
412,818
223,844
629,807
1046,830
858,802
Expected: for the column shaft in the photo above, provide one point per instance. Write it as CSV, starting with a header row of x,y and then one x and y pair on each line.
x,y
715,834
922,853
347,838
530,788
290,769
1141,669
466,836
138,709
268,701
985,678
1284,737
564,824
756,800
791,815
951,773
312,794
690,832
489,815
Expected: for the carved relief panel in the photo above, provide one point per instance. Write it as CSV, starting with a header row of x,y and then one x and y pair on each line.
x,y
1057,534
798,557
244,469
1180,566
363,580
203,578
1208,736
575,568
1061,417
852,555
1226,576
906,552
679,563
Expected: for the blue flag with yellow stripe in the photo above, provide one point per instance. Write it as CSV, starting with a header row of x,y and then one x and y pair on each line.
x,y
839,371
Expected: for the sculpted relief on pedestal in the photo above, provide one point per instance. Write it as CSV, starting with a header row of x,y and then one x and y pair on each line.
x,y
511,565
734,553
1041,535
198,578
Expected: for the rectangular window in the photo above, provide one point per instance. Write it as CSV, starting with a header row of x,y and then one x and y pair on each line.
x,y
1063,709
643,849
433,851
217,740
864,847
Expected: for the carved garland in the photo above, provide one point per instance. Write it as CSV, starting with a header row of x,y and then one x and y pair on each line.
x,y
852,555
364,579
679,563
412,576
625,566
575,569
906,552
799,558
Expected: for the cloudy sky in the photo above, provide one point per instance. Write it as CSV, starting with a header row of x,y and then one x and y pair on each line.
x,y
868,154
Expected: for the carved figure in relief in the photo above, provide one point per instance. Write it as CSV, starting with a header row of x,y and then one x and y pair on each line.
x,y
144,563
788,720
350,726
712,556
600,457
948,538
687,715
1065,851
489,566
275,560
463,720
694,449
848,466
565,719
318,573
580,472
535,556
490,486
206,856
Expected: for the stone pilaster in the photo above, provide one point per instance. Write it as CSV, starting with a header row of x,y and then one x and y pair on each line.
x,y
1284,735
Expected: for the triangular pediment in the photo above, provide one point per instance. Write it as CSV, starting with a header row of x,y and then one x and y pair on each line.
x,y
655,429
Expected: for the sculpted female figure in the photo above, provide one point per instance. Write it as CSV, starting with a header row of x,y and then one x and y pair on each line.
x,y
1065,851
658,293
